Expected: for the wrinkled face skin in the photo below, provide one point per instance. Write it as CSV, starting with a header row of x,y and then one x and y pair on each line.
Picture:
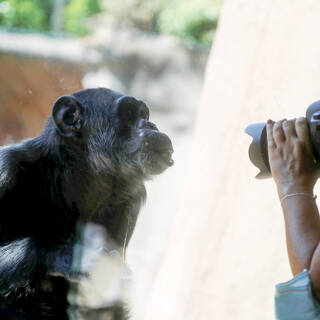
x,y
119,134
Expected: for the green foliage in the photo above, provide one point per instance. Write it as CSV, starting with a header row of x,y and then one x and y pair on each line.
x,y
23,14
76,13
194,20
36,14
190,19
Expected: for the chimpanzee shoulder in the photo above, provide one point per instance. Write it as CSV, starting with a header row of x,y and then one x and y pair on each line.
x,y
31,193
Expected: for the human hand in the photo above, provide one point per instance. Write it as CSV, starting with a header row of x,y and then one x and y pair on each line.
x,y
291,157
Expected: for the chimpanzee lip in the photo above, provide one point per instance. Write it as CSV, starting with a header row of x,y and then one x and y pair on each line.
x,y
166,156
159,147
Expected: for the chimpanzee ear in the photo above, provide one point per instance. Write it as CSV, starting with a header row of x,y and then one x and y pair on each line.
x,y
67,115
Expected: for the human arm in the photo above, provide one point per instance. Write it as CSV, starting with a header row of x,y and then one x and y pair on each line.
x,y
295,173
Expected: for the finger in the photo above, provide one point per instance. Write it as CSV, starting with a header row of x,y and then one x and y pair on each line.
x,y
302,130
278,134
271,143
289,129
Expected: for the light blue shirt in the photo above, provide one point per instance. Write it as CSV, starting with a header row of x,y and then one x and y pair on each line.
x,y
294,300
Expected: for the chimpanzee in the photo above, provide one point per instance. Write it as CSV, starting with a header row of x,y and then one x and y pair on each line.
x,y
88,165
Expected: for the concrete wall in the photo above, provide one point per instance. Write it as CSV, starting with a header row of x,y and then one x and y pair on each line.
x,y
227,248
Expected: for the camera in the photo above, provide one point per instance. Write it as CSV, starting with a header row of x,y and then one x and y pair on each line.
x,y
258,149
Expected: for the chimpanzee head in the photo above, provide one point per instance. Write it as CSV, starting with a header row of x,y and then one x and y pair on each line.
x,y
115,129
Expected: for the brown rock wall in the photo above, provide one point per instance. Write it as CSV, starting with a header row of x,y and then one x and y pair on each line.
x,y
29,86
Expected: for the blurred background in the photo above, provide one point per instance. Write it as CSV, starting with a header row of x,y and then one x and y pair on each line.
x,y
155,50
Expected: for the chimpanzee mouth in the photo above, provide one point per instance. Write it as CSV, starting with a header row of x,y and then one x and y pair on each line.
x,y
158,150
158,161
165,156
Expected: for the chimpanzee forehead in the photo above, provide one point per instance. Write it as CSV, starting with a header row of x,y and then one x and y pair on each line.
x,y
97,97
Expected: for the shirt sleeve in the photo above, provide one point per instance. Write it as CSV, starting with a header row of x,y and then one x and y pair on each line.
x,y
294,300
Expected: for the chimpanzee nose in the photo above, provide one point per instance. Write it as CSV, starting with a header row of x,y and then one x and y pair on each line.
x,y
147,125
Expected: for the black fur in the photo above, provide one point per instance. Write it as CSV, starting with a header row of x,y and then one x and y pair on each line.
x,y
88,165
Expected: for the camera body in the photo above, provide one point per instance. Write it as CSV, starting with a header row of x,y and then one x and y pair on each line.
x,y
258,150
